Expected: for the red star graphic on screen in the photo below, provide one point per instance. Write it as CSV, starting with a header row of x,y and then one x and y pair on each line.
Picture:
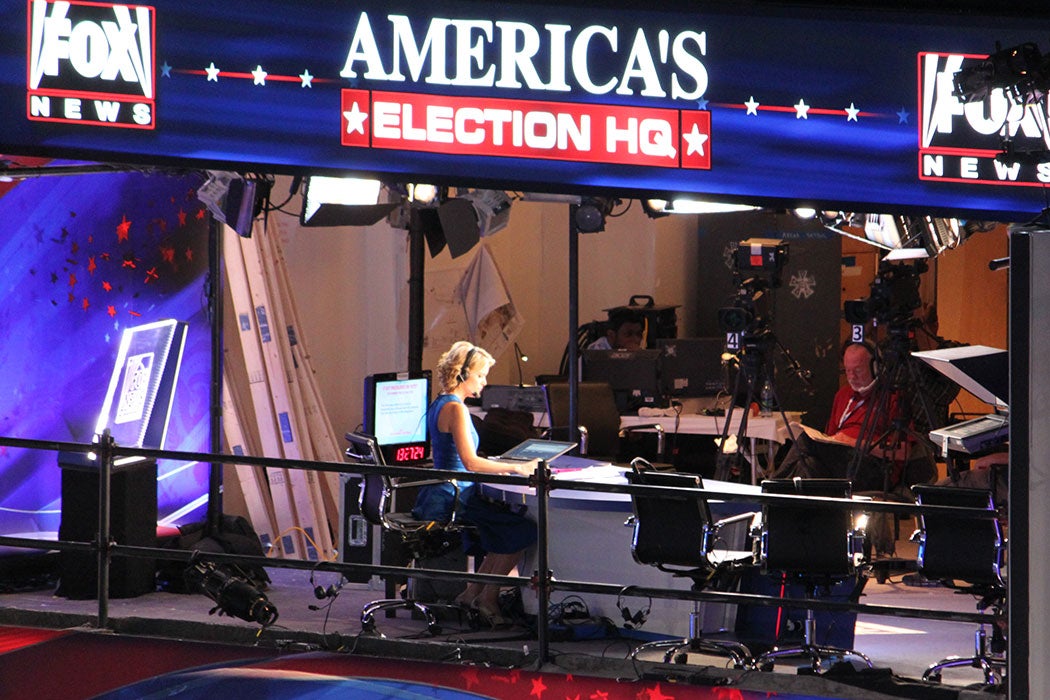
x,y
189,254
151,276
122,228
84,303
92,266
200,213
106,286
111,310
538,687
182,217
72,280
599,695
696,140
167,254
656,694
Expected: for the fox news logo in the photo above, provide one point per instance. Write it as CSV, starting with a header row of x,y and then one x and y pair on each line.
x,y
91,63
959,142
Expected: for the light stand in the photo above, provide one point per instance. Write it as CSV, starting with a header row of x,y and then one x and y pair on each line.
x,y
520,357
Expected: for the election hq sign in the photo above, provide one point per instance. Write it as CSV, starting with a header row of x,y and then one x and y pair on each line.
x,y
850,109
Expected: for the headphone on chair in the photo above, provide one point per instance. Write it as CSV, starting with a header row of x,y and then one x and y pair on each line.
x,y
632,620
464,369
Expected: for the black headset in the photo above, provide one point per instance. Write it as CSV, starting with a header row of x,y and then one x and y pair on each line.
x,y
324,593
633,620
873,353
464,370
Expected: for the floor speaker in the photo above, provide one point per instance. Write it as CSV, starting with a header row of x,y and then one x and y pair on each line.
x,y
133,522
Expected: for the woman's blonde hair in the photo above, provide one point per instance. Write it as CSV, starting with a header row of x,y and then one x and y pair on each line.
x,y
452,368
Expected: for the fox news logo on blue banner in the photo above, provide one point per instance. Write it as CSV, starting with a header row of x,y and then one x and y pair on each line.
x,y
959,142
91,63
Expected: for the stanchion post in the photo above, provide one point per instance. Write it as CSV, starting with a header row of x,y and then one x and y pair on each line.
x,y
543,575
102,539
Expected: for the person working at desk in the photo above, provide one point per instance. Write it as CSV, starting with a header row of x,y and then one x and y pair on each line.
x,y
624,331
861,416
462,371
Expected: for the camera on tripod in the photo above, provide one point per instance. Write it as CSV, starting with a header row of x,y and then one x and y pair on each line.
x,y
894,296
757,264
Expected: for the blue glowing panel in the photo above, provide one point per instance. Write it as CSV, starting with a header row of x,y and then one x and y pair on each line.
x,y
86,257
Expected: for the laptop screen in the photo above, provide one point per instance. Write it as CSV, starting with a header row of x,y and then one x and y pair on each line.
x,y
535,448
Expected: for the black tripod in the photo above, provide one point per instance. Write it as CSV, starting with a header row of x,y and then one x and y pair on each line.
x,y
755,378
899,393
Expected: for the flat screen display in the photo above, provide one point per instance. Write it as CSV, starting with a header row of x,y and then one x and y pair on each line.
x,y
395,412
634,375
691,367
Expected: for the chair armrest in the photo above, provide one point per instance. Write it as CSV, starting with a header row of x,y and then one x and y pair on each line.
x,y
659,429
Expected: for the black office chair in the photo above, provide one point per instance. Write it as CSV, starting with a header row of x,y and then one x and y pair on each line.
x,y
814,546
675,533
601,436
954,549
422,539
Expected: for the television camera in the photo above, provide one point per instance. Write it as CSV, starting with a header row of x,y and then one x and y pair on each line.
x,y
757,264
894,296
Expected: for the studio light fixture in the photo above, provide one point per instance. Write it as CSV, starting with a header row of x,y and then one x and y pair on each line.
x,y
661,207
491,207
344,201
521,357
589,215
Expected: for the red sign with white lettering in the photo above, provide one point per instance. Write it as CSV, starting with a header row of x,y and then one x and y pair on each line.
x,y
652,137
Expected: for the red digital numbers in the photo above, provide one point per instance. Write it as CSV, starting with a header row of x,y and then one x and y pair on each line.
x,y
410,453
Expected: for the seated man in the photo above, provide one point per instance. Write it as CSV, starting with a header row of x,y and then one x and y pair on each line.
x,y
861,417
624,331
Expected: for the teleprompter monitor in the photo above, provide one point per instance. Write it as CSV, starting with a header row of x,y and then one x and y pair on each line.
x,y
395,413
634,375
691,367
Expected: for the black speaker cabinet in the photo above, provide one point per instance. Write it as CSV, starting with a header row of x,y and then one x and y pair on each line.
x,y
358,539
133,522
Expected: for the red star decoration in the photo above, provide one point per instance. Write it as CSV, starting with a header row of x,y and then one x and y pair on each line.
x,y
129,262
85,303
182,217
200,213
72,280
104,256
470,677
656,694
122,228
599,695
167,254
538,687
71,298
189,254
91,265
106,286
111,310
151,276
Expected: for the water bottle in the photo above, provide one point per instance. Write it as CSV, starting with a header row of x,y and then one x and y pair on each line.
x,y
765,399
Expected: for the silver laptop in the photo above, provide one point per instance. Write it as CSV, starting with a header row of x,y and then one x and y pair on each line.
x,y
536,448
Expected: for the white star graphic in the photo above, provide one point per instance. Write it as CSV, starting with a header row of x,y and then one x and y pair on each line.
x,y
752,106
213,72
851,113
355,120
696,141
306,78
802,110
259,76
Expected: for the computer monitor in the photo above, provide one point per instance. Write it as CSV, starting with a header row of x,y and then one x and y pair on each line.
x,y
691,367
634,375
395,413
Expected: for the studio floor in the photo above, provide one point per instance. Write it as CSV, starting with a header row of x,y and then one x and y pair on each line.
x,y
899,647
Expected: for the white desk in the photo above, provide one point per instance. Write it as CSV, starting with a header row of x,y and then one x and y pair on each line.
x,y
590,540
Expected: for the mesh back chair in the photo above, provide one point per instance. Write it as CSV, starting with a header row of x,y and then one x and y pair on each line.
x,y
814,546
422,539
599,419
967,554
675,533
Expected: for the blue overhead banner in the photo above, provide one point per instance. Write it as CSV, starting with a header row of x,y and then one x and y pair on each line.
x,y
852,110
